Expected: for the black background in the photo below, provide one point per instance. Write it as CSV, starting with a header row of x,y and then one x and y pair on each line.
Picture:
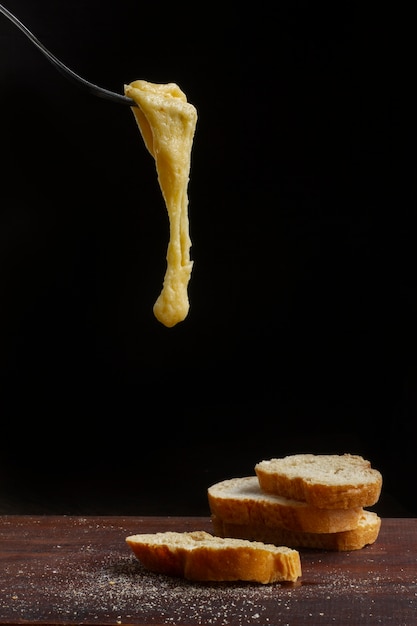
x,y
301,336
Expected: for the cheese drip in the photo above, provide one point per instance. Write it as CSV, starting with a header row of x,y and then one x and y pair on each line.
x,y
167,124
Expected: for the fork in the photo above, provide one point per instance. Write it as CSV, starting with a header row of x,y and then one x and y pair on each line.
x,y
66,71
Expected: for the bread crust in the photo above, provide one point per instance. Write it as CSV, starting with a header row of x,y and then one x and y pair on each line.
x,y
200,556
241,501
324,481
364,534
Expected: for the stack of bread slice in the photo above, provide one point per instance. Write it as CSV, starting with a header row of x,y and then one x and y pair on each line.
x,y
301,501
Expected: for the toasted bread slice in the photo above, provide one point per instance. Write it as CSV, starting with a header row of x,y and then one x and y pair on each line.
x,y
365,533
200,556
323,480
241,501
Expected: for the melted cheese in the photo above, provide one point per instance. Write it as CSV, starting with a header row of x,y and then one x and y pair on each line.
x,y
167,124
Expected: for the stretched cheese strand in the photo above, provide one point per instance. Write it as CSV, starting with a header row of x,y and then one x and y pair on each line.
x,y
167,124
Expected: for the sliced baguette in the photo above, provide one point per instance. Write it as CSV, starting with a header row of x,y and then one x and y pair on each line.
x,y
323,480
241,501
365,533
200,556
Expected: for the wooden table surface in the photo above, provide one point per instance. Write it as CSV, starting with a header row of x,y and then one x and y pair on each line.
x,y
79,570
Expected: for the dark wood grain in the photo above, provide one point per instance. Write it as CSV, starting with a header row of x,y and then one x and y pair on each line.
x,y
79,570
